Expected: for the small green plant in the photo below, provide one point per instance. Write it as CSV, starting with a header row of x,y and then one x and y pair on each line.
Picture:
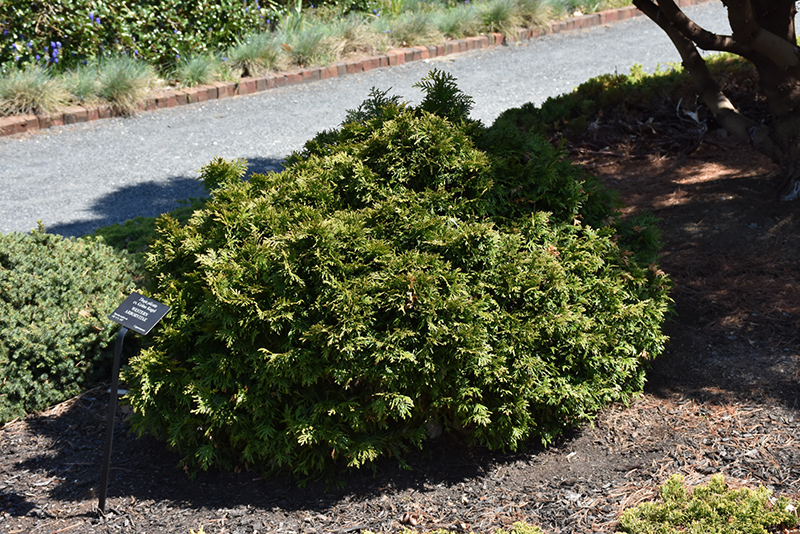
x,y
710,509
443,97
124,82
325,316
31,90
55,295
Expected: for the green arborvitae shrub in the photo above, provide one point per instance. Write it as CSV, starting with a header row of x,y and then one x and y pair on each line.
x,y
384,285
55,294
710,509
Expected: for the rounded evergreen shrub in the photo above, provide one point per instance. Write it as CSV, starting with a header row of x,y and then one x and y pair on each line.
x,y
384,287
55,294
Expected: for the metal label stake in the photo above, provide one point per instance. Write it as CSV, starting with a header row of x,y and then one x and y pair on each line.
x,y
140,314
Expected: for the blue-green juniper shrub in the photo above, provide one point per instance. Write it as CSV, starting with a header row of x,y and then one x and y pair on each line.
x,y
55,337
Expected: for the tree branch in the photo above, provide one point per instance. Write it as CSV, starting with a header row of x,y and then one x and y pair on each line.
x,y
699,35
740,127
747,31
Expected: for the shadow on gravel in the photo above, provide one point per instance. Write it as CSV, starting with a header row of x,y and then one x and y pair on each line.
x,y
148,199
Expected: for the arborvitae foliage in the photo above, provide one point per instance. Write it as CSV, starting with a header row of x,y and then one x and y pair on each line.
x,y
389,281
55,295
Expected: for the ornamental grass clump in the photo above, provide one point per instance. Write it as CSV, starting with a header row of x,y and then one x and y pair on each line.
x,y
124,82
255,55
198,69
31,90
55,295
387,283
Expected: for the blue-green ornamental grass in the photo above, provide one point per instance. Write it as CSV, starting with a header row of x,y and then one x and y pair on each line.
x,y
407,270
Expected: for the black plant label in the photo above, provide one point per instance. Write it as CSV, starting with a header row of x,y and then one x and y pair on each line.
x,y
139,313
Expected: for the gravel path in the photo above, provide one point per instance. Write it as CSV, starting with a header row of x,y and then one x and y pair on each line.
x,y
78,178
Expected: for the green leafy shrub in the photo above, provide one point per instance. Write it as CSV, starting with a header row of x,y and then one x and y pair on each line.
x,y
55,295
383,285
710,509
65,33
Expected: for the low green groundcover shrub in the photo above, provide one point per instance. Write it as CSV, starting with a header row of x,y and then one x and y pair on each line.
x,y
55,294
710,509
393,281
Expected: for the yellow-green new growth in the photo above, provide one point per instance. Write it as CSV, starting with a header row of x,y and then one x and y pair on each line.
x,y
710,509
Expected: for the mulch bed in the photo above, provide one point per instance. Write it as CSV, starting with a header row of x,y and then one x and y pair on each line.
x,y
723,399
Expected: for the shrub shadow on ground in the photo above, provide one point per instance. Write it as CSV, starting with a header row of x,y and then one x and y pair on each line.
x,y
143,469
731,249
147,199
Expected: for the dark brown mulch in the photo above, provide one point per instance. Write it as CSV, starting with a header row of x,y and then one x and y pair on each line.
x,y
723,399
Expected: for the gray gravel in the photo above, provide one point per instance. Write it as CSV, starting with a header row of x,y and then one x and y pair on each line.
x,y
78,178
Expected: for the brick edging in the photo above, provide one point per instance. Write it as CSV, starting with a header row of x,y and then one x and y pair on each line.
x,y
19,124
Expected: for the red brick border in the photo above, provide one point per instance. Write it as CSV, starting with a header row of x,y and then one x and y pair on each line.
x,y
245,86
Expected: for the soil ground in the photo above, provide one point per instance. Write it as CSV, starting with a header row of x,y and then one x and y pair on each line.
x,y
723,399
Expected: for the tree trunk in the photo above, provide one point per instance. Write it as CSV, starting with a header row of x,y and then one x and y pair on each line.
x,y
763,32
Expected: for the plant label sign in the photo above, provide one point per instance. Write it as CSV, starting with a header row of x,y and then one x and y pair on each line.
x,y
139,313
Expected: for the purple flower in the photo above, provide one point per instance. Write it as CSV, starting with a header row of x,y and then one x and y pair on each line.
x,y
91,17
97,20
29,44
14,46
58,44
55,60
38,57
52,44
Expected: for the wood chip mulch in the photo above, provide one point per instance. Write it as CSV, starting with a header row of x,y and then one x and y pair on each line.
x,y
723,399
